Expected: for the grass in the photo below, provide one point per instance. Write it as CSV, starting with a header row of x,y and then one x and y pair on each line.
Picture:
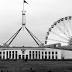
x,y
36,66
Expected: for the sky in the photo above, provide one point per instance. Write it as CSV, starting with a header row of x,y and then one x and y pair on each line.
x,y
41,14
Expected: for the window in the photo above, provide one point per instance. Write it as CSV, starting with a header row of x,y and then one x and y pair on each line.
x,y
16,54
36,54
46,55
9,54
19,56
42,52
30,54
49,52
0,56
39,54
26,57
23,57
55,52
42,55
52,56
36,51
56,57
13,54
49,56
45,52
33,54
52,52
0,52
33,51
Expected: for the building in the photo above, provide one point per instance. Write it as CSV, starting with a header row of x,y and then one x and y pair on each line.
x,y
30,53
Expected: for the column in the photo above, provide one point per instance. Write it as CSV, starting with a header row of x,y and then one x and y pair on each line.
x,y
43,54
2,55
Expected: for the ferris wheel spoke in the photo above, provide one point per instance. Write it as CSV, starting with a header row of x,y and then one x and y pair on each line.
x,y
58,40
66,28
62,32
70,25
60,36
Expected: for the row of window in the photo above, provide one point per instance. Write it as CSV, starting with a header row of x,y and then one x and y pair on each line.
x,y
31,55
40,55
8,55
12,55
43,52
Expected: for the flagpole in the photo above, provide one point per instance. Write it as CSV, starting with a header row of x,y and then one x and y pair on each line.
x,y
23,16
23,5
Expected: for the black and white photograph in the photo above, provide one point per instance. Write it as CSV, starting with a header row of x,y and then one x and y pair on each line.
x,y
35,35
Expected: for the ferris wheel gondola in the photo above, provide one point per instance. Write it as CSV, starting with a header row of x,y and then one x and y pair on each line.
x,y
60,32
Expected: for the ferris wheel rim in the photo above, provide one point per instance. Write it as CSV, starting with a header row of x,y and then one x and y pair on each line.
x,y
55,24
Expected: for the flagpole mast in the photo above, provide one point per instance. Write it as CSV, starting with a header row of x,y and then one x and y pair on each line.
x,y
23,5
23,16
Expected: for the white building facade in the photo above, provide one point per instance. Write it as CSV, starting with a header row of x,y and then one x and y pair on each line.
x,y
30,53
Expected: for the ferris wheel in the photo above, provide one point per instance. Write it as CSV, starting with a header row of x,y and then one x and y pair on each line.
x,y
60,32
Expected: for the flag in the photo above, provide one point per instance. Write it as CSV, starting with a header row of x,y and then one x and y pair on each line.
x,y
25,1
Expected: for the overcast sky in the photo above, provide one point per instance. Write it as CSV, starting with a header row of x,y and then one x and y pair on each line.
x,y
40,15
